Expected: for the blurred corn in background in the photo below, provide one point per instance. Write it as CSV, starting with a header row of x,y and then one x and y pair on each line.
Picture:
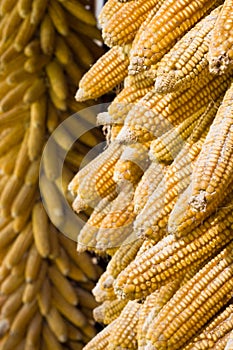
x,y
45,298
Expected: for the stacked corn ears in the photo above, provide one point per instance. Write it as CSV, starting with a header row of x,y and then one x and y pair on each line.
x,y
45,287
162,191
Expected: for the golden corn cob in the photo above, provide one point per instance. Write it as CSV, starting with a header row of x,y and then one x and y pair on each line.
x,y
104,75
151,307
155,114
126,328
153,219
187,61
123,256
108,11
87,235
148,183
151,269
109,311
134,14
116,227
97,177
211,176
187,309
101,340
220,54
171,21
214,332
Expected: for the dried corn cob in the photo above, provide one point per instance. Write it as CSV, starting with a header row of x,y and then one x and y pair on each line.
x,y
211,176
213,284
97,177
171,21
155,114
151,307
126,328
134,14
106,73
153,219
109,310
151,269
214,332
220,50
101,340
187,61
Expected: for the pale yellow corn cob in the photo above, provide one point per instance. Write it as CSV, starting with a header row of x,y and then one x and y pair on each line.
x,y
116,227
47,36
101,340
187,61
34,331
134,14
125,328
97,177
153,219
155,114
166,147
104,75
123,256
148,183
151,307
151,269
209,289
171,21
211,176
214,332
87,235
221,48
108,11
109,311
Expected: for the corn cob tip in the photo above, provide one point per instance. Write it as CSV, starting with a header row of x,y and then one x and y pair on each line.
x,y
220,64
165,83
4,326
126,136
79,204
103,119
81,95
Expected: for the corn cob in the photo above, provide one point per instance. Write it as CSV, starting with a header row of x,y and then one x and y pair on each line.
x,y
229,342
97,177
151,307
116,227
171,21
101,340
215,332
220,49
211,178
110,8
126,328
148,183
213,284
123,256
187,61
105,74
153,219
155,114
151,269
134,13
109,310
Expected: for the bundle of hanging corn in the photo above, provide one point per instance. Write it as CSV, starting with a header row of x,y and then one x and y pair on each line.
x,y
162,191
45,298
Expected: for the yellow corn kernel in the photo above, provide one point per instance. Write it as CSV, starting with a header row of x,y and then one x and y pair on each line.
x,y
109,311
108,11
